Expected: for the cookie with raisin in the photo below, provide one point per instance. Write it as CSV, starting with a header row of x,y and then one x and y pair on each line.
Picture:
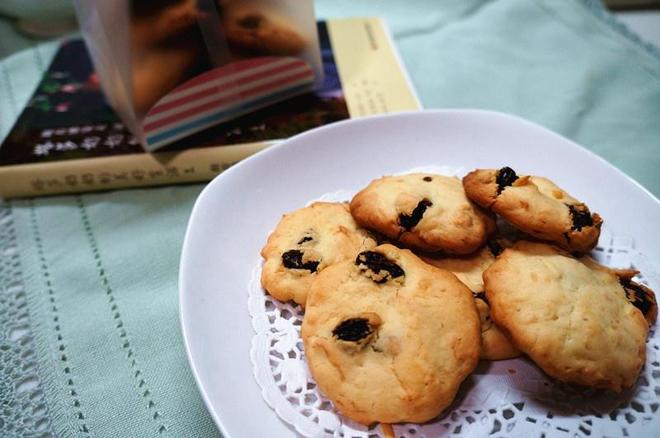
x,y
423,211
637,294
537,206
571,317
495,345
389,338
304,243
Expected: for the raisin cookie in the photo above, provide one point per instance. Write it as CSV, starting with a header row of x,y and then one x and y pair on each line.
x,y
423,211
253,31
389,338
304,243
469,269
570,317
535,205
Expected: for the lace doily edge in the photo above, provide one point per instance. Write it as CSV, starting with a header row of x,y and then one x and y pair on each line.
x,y
263,375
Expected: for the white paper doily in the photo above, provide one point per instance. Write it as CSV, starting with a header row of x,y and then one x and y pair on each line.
x,y
503,398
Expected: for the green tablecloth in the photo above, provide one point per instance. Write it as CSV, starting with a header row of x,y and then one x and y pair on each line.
x,y
89,336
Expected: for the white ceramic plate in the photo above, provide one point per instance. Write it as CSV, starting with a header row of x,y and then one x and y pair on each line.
x,y
234,214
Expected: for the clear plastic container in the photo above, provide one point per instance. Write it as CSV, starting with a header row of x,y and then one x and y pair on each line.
x,y
171,68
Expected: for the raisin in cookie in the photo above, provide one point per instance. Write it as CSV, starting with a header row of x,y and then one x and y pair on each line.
x,y
637,294
535,205
423,211
304,243
469,269
389,338
641,297
251,30
573,319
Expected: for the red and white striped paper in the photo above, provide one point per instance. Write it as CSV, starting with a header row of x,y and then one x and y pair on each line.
x,y
225,93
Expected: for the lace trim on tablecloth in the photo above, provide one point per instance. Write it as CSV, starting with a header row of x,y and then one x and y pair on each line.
x,y
23,410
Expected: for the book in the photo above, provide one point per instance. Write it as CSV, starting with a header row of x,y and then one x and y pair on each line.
x,y
69,140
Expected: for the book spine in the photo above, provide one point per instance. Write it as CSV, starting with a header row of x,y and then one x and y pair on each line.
x,y
122,171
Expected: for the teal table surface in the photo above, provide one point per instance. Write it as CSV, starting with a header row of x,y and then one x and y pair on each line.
x,y
90,343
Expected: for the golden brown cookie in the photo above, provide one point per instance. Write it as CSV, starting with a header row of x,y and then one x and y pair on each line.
x,y
535,205
389,338
255,31
573,319
469,269
304,243
423,211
